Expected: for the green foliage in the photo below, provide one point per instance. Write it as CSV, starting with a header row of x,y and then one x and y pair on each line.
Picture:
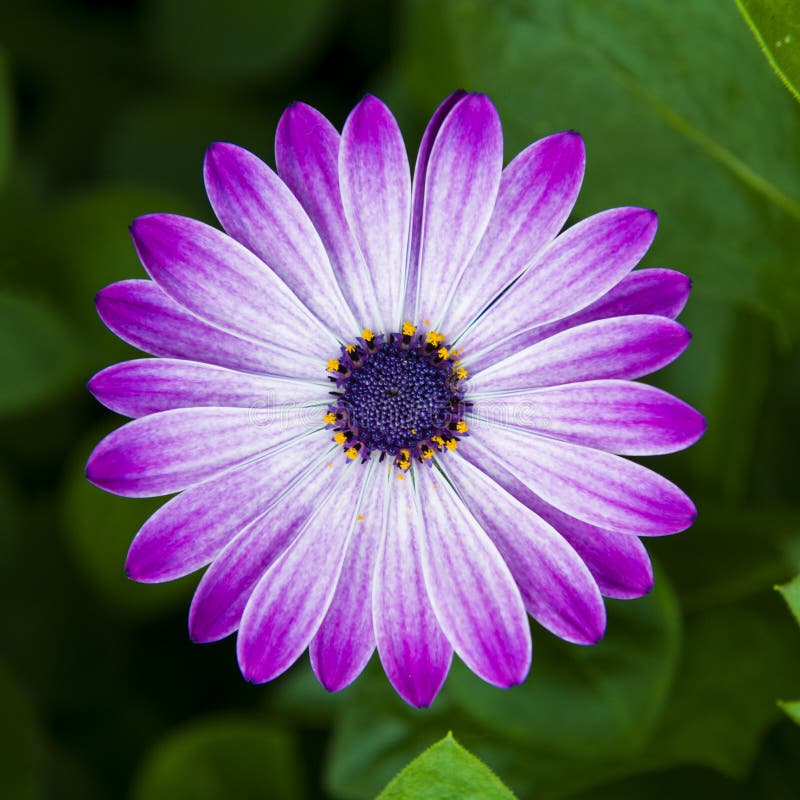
x,y
791,594
446,771
776,26
5,119
39,356
221,758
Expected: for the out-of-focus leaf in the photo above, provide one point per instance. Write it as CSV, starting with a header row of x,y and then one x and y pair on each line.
x,y
587,701
93,248
222,758
22,748
446,770
792,708
5,119
791,594
99,528
301,698
715,156
776,26
247,39
39,356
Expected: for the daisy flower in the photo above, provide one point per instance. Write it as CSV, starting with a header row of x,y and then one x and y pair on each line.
x,y
392,410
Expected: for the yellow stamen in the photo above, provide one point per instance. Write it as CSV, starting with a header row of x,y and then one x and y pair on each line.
x,y
462,426
408,328
367,335
438,441
339,438
461,373
351,348
443,353
329,418
352,453
451,444
427,453
333,365
435,338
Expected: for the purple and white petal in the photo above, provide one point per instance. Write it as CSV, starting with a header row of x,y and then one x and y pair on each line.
x,y
620,347
149,385
140,313
617,561
418,197
591,485
557,588
222,282
257,209
307,157
461,183
227,585
621,417
376,194
167,452
577,268
290,601
472,591
189,531
537,192
345,640
413,650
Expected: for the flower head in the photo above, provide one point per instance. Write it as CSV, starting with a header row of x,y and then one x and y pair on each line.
x,y
393,411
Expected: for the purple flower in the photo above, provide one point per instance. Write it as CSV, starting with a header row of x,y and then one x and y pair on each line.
x,y
352,476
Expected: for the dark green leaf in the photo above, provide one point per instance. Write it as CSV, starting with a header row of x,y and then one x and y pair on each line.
x,y
791,594
446,771
222,758
5,119
776,26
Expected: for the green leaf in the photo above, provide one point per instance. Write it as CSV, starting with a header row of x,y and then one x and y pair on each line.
x,y
5,119
792,708
99,528
677,112
39,357
776,26
446,770
791,594
587,701
222,758
251,39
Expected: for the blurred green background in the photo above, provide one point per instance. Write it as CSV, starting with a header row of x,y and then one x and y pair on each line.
x,y
105,112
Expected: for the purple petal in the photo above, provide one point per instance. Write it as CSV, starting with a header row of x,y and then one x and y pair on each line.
x,y
307,156
346,639
617,416
461,183
617,561
577,268
413,650
167,452
290,601
593,486
558,589
224,590
148,385
621,347
537,192
418,195
376,194
257,209
141,314
189,531
471,588
222,282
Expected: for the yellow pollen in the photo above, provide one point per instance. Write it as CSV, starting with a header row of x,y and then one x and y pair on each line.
x,y
329,465
451,444
462,426
427,322
413,431
339,437
333,365
427,453
352,453
435,338
443,353
400,476
367,335
408,328
329,418
351,348
461,373
360,517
